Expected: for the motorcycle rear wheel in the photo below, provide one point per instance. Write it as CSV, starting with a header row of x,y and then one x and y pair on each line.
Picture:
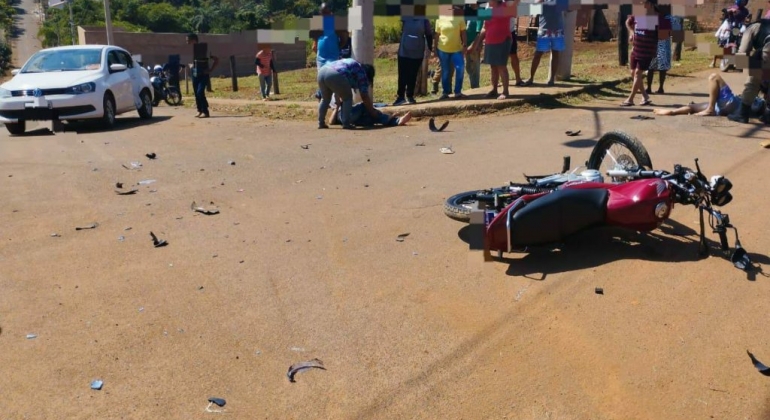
x,y
459,206
638,158
173,97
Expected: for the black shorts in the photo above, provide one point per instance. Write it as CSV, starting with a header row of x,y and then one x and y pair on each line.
x,y
642,63
514,45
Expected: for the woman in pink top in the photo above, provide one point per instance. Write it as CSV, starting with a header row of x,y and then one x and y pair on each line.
x,y
497,44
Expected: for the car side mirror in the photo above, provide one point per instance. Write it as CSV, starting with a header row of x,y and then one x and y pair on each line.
x,y
14,72
117,67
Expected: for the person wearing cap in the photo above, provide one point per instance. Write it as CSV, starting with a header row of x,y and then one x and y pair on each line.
x,y
449,45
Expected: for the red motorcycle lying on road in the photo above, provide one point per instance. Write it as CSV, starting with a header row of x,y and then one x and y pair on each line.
x,y
548,209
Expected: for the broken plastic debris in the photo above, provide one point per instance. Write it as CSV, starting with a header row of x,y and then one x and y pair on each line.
x,y
218,401
293,369
432,125
305,146
447,150
133,165
55,235
400,238
91,226
759,365
231,162
146,182
31,336
97,384
158,242
420,144
131,192
208,212
150,155
642,117
599,291
118,185
572,133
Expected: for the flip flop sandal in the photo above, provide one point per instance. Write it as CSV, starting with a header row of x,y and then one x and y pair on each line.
x,y
572,133
646,103
642,117
626,103
519,84
491,95
433,128
528,83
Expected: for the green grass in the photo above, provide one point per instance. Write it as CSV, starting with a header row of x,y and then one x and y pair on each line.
x,y
595,62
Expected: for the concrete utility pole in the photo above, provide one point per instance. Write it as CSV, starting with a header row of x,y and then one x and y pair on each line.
x,y
108,21
564,70
72,23
363,33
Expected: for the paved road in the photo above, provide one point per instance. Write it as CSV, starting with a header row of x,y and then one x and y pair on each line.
x,y
25,42
302,263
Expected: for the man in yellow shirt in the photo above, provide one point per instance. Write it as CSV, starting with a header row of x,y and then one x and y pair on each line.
x,y
449,45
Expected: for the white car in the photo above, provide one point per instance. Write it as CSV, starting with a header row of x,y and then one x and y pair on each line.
x,y
77,82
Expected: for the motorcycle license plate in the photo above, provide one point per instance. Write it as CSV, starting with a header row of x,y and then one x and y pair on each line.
x,y
488,217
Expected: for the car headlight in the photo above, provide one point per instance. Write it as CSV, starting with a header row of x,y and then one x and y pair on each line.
x,y
84,88
5,93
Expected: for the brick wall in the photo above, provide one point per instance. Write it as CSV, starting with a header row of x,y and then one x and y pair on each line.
x,y
156,47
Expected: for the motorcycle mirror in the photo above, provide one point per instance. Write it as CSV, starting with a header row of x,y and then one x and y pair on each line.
x,y
741,259
720,184
721,200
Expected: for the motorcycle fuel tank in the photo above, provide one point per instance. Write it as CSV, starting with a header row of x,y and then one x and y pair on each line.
x,y
640,205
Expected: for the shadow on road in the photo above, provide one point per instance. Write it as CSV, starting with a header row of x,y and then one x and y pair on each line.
x,y
84,127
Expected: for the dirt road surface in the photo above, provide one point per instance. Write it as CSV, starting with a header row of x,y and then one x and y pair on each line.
x,y
24,41
302,262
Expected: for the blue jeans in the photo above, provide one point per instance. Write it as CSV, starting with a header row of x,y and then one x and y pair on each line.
x,y
360,117
457,61
199,86
264,85
330,82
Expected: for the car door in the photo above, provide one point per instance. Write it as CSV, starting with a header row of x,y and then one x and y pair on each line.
x,y
134,73
119,82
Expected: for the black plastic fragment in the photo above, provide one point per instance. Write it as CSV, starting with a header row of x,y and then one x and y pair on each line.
x,y
759,365
599,291
642,117
293,369
572,133
130,192
151,155
158,242
433,128
218,401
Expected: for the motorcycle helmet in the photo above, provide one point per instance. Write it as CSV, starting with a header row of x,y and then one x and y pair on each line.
x,y
158,68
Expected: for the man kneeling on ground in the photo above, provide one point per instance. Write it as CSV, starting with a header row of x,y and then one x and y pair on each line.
x,y
359,116
722,101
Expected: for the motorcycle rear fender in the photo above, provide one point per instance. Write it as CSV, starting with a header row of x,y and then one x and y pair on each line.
x,y
498,233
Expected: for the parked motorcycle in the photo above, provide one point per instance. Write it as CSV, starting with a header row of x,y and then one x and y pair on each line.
x,y
163,91
548,209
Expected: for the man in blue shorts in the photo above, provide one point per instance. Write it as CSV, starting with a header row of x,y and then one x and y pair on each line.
x,y
722,101
550,37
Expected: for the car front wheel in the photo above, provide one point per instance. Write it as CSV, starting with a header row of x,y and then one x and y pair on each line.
x,y
108,119
16,128
145,109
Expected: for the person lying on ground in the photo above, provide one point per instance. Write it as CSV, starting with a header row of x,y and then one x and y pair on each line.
x,y
361,118
722,101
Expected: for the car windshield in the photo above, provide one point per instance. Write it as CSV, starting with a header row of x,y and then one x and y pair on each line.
x,y
64,60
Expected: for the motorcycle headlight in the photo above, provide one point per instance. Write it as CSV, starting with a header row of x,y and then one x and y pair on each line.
x,y
84,88
5,93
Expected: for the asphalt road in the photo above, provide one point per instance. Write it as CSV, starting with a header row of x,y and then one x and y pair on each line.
x,y
302,262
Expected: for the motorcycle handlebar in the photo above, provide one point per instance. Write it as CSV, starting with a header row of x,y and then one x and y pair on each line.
x,y
621,173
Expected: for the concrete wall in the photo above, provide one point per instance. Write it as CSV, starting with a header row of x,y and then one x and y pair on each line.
x,y
156,47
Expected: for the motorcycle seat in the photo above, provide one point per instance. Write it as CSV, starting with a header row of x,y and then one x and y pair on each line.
x,y
557,215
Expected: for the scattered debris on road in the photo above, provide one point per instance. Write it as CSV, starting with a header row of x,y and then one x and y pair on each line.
x,y
572,133
218,401
151,156
146,182
31,336
118,185
130,192
401,237
55,235
447,150
231,162
759,365
133,165
305,146
297,367
599,291
97,385
433,128
91,226
158,242
208,212
642,117
420,144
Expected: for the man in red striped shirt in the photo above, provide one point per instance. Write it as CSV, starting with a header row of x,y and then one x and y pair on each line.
x,y
645,31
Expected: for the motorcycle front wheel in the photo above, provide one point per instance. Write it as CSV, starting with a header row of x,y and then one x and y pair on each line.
x,y
618,150
173,97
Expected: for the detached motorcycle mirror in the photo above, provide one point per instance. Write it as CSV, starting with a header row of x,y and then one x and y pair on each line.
x,y
740,257
721,200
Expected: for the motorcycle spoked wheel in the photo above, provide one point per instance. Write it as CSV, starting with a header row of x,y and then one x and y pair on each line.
x,y
173,98
626,153
459,206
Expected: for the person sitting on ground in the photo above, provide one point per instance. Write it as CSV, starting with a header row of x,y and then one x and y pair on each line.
x,y
361,118
722,101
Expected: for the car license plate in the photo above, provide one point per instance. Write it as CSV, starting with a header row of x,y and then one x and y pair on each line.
x,y
38,102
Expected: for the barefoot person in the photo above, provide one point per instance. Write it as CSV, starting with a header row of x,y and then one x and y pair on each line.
x,y
722,101
644,38
361,118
